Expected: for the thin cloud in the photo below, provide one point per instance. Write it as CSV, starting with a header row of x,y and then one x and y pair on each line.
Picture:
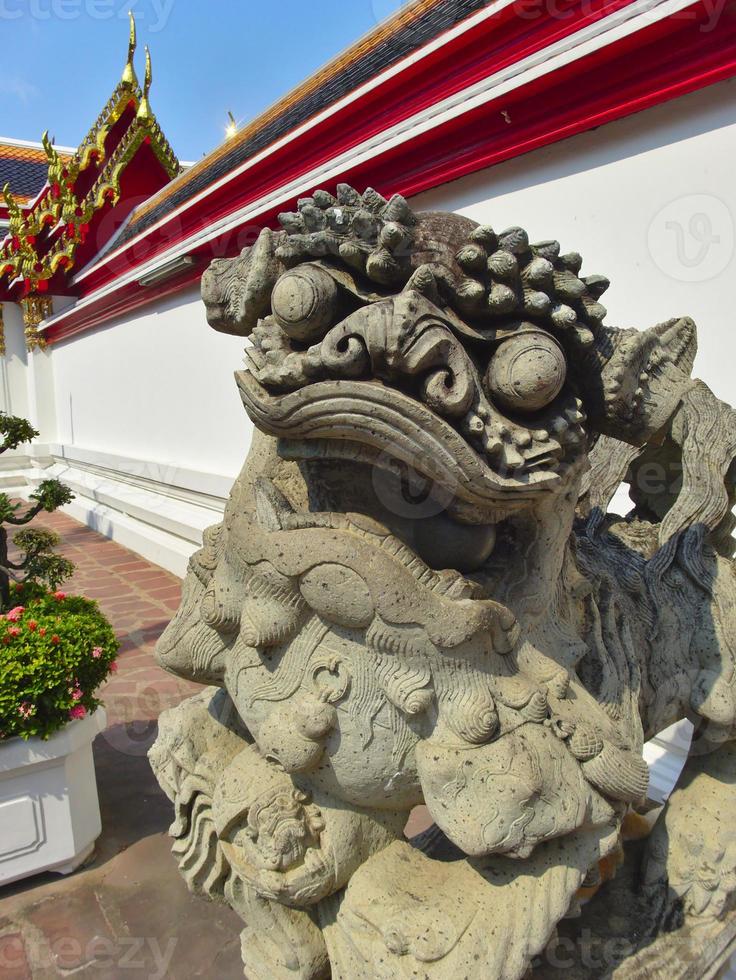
x,y
18,88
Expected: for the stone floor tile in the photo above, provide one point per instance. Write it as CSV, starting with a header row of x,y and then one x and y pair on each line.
x,y
71,929
14,963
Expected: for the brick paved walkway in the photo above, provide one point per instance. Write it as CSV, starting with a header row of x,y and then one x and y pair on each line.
x,y
128,913
139,599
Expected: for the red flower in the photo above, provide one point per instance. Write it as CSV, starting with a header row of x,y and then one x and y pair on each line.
x,y
42,631
78,711
113,667
32,624
59,595
56,638
13,631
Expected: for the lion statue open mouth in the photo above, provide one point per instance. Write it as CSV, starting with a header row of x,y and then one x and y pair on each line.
x,y
416,595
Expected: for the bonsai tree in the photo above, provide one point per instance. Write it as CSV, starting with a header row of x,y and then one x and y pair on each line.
x,y
37,561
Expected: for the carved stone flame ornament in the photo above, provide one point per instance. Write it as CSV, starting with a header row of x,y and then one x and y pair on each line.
x,y
416,596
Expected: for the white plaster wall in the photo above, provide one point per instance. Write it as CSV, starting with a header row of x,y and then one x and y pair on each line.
x,y
156,385
618,195
13,374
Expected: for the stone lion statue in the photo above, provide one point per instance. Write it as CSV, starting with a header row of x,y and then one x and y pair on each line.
x,y
416,596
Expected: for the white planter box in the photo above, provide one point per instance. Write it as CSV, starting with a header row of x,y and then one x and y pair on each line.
x,y
49,810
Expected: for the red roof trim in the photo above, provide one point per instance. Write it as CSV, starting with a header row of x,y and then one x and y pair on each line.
x,y
499,41
659,62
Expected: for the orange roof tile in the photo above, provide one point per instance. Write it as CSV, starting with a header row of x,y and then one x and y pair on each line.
x,y
24,167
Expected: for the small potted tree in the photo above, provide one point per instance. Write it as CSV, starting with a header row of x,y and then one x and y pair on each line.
x,y
55,651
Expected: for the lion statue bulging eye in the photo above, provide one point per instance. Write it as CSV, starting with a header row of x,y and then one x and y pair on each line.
x,y
527,371
305,302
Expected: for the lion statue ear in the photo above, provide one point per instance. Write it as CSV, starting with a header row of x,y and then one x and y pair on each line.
x,y
237,292
656,418
692,461
633,380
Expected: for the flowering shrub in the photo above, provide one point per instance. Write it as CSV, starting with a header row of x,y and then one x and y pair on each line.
x,y
55,651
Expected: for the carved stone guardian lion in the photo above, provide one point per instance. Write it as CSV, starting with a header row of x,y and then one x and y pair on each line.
x,y
416,596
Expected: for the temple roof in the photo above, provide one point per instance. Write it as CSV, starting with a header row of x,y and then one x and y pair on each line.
x,y
414,26
440,91
63,206
24,167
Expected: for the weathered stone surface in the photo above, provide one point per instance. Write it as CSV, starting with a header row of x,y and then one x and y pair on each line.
x,y
417,597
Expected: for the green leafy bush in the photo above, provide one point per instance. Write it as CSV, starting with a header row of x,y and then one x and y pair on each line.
x,y
37,561
55,651
40,563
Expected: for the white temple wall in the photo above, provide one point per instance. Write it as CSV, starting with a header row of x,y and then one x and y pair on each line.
x,y
149,428
13,379
147,425
157,385
14,395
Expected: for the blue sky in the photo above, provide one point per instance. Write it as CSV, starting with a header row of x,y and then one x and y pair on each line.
x,y
62,58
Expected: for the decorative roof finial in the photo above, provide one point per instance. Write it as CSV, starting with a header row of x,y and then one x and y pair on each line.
x,y
144,109
56,167
14,212
129,77
10,201
48,146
